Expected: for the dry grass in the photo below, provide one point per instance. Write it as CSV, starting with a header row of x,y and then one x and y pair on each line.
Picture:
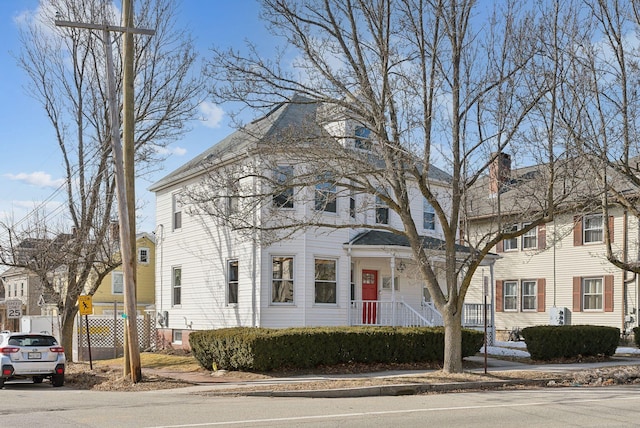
x,y
162,371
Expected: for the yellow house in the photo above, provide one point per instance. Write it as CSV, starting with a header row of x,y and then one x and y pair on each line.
x,y
108,298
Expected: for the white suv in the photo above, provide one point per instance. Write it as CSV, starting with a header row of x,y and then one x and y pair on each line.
x,y
31,355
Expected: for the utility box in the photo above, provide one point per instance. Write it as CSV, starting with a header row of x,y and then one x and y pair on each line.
x,y
558,316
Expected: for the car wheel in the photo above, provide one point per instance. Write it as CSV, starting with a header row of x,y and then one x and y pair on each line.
x,y
1,383
37,379
57,380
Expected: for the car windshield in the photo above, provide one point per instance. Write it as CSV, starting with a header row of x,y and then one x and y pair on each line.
x,y
32,340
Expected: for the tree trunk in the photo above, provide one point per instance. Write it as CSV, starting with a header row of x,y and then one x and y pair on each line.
x,y
66,335
452,341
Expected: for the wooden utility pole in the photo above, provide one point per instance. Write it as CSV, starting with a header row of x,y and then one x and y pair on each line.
x,y
128,134
124,208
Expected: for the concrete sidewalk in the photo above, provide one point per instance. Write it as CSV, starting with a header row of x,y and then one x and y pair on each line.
x,y
396,382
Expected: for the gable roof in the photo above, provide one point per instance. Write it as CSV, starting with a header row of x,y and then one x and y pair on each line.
x,y
286,116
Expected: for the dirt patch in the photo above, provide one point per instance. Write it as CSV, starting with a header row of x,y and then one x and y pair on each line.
x,y
167,373
105,378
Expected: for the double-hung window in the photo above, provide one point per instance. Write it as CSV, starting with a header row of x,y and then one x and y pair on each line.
x,y
117,282
176,284
325,281
382,210
511,243
428,216
233,197
352,204
530,239
592,294
232,282
592,231
529,295
325,199
362,140
283,195
282,280
510,295
143,255
177,211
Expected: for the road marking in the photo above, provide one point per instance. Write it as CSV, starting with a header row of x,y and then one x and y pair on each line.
x,y
394,412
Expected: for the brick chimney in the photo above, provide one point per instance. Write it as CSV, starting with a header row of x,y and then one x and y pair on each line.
x,y
499,172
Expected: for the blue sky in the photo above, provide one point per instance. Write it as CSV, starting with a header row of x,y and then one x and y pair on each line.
x,y
30,166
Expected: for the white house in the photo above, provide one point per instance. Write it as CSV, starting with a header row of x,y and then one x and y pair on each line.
x,y
210,275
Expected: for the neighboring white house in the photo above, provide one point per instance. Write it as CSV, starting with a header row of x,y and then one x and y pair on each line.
x,y
558,272
209,276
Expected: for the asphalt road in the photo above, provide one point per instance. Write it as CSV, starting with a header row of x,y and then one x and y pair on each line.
x,y
24,405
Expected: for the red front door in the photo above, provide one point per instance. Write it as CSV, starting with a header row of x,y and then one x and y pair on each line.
x,y
369,292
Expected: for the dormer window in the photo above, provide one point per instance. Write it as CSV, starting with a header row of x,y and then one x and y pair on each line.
x,y
362,140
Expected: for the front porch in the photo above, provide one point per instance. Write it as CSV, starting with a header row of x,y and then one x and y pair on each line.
x,y
401,314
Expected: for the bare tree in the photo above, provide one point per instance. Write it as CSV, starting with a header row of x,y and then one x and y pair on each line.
x,y
434,82
67,73
606,130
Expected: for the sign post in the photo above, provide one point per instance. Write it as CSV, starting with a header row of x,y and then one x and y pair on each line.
x,y
85,307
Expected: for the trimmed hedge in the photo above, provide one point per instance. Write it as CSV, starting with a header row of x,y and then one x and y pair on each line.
x,y
547,342
261,349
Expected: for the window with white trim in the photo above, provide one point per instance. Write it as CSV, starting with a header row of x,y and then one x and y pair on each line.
x,y
512,243
362,140
143,255
529,295
232,282
176,336
510,296
428,215
530,238
233,197
352,281
283,195
282,280
176,285
326,194
382,211
352,204
177,211
592,230
325,281
117,282
592,294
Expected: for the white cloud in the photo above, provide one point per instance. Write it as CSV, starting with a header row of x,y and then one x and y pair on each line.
x,y
38,178
168,151
211,114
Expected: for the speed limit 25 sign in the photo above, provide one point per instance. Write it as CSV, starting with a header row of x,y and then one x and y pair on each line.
x,y
14,308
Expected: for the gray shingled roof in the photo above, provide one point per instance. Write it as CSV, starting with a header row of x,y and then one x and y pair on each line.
x,y
379,238
525,190
298,112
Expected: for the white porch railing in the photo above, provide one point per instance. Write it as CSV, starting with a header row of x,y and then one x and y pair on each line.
x,y
400,314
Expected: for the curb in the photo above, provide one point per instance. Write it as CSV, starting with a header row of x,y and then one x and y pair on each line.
x,y
397,390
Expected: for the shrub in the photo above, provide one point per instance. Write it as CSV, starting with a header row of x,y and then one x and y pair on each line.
x,y
269,349
636,336
569,341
